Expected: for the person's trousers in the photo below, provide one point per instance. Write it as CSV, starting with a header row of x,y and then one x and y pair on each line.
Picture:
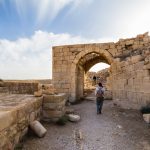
x,y
99,104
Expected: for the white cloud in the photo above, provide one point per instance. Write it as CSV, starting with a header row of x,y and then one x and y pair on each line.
x,y
44,10
79,3
49,9
31,58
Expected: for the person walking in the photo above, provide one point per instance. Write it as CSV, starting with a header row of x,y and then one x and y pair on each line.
x,y
99,93
94,80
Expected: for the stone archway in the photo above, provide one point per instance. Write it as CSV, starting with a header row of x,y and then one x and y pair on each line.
x,y
81,64
130,68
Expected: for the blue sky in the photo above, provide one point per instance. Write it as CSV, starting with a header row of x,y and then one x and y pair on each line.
x,y
29,28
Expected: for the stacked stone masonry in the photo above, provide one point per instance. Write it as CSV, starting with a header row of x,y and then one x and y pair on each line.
x,y
53,107
129,61
16,113
21,87
129,81
19,107
101,76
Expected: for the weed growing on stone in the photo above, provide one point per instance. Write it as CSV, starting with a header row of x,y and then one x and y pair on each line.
x,y
63,120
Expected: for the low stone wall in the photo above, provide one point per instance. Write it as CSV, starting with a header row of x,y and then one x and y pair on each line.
x,y
21,87
16,112
53,107
45,81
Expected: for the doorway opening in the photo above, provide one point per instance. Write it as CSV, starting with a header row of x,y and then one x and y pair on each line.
x,y
85,79
99,73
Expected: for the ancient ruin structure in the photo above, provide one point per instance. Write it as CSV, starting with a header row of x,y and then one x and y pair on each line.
x,y
101,76
129,61
20,106
129,82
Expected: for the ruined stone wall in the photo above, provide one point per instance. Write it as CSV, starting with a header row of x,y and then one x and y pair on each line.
x,y
17,111
44,81
101,76
129,71
14,123
131,78
88,80
21,87
67,71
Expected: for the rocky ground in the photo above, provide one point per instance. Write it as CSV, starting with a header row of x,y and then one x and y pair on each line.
x,y
114,129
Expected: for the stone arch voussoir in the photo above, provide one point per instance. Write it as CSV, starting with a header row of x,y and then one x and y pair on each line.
x,y
108,56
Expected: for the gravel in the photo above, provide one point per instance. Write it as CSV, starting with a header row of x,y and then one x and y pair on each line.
x,y
114,129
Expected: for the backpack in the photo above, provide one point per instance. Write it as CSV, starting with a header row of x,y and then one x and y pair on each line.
x,y
100,93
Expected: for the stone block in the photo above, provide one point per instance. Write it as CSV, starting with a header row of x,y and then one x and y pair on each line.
x,y
146,118
4,90
37,127
27,108
146,39
69,110
146,73
146,80
145,98
65,85
52,114
139,65
112,46
3,140
38,103
74,118
32,117
129,42
38,93
135,46
2,84
22,112
7,118
135,59
146,87
22,123
54,106
50,106
54,98
147,66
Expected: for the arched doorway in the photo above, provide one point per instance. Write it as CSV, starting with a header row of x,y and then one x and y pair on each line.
x,y
129,61
81,64
99,73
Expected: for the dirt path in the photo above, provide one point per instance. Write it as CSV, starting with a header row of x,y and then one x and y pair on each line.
x,y
115,129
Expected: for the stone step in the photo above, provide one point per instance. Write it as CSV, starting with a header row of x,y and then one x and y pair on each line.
x,y
3,90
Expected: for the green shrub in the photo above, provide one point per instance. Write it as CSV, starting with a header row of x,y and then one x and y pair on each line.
x,y
145,110
63,120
